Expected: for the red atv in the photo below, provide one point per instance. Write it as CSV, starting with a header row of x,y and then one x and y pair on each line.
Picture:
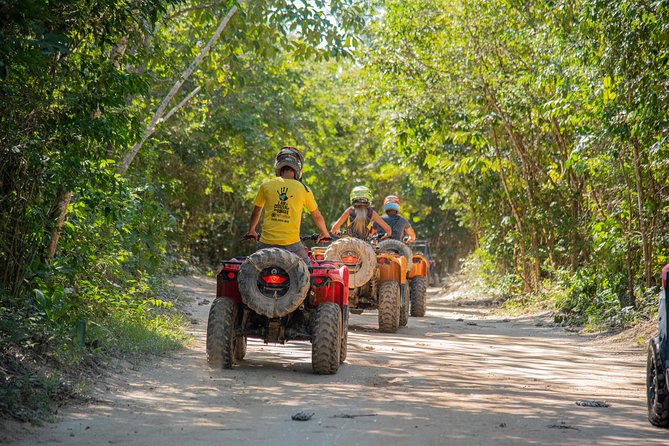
x,y
275,296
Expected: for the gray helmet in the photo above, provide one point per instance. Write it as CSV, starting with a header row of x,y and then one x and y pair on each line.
x,y
290,157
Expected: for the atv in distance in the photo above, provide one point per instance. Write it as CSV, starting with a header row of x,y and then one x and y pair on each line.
x,y
273,295
423,248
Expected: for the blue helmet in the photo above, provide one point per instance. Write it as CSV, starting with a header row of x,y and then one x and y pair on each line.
x,y
391,203
391,207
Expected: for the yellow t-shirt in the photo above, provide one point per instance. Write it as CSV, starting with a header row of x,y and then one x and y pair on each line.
x,y
283,201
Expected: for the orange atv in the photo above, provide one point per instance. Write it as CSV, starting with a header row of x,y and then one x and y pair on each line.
x,y
418,270
377,280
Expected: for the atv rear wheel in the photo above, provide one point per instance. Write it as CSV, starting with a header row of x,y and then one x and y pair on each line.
x,y
418,296
656,390
343,351
240,348
284,262
349,246
220,333
389,306
397,247
326,342
405,304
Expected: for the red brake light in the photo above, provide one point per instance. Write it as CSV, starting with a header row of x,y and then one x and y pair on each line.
x,y
274,279
231,275
383,260
318,280
349,259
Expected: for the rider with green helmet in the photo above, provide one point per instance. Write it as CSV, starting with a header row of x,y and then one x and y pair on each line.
x,y
360,215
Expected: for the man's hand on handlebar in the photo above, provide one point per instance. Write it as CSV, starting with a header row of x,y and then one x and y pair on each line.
x,y
323,237
251,235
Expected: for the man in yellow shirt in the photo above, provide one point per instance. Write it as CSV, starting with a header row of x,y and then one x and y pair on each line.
x,y
283,199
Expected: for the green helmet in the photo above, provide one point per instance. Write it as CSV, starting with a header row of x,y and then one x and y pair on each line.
x,y
361,195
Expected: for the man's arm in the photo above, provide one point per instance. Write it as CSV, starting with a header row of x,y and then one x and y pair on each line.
x,y
411,233
377,218
255,218
320,223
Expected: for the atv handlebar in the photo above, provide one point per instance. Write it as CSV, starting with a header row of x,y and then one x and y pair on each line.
x,y
303,238
314,237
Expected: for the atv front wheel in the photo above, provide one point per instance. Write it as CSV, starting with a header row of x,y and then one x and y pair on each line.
x,y
220,333
418,296
389,306
326,342
656,390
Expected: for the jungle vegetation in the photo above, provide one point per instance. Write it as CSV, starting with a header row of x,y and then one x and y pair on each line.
x,y
527,140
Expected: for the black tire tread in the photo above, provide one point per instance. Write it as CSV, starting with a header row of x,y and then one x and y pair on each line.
x,y
658,403
405,309
343,350
326,343
220,333
240,348
389,306
418,292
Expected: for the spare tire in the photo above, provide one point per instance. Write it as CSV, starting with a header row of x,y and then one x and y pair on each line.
x,y
353,247
397,247
287,296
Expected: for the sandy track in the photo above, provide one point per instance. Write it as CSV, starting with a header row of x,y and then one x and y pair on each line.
x,y
457,376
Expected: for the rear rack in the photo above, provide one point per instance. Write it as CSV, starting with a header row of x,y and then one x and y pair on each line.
x,y
240,260
237,261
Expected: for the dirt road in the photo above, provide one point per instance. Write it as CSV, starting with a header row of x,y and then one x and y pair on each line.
x,y
458,376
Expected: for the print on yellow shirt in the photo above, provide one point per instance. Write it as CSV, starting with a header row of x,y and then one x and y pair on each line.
x,y
284,201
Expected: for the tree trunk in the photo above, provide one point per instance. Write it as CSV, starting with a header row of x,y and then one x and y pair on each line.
x,y
127,160
61,208
640,199
157,117
526,270
628,299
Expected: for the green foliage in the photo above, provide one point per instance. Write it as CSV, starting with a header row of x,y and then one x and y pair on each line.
x,y
530,133
80,80
542,127
27,394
